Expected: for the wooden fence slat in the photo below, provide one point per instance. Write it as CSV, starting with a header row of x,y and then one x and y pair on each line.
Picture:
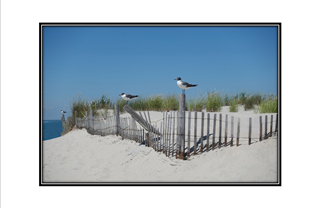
x,y
214,131
166,135
195,134
266,125
231,142
220,128
173,131
238,132
189,125
169,138
250,128
149,117
202,126
260,136
208,127
226,131
163,132
271,125
161,136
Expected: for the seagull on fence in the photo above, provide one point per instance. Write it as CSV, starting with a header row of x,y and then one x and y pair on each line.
x,y
184,85
63,112
128,97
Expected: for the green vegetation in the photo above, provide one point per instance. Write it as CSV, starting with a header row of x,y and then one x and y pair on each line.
x,y
234,105
212,101
269,105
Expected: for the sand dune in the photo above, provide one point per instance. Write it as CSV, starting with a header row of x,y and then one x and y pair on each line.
x,y
81,157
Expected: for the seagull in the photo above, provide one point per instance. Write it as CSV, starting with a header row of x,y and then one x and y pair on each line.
x,y
184,85
63,112
128,97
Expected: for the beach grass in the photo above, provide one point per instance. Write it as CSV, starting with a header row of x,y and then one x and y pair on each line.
x,y
269,105
212,101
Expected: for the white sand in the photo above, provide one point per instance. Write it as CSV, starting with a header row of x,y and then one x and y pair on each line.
x,y
81,157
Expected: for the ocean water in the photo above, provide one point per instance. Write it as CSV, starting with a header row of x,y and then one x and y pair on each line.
x,y
51,129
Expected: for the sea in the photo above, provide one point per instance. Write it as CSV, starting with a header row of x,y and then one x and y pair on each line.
x,y
51,129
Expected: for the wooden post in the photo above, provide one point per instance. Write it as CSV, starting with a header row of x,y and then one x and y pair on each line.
x,y
166,134
161,136
214,131
238,132
163,133
143,138
260,137
226,132
202,125
231,142
117,119
220,128
149,117
250,127
63,123
189,124
181,133
271,125
208,126
173,131
266,125
169,136
148,139
195,134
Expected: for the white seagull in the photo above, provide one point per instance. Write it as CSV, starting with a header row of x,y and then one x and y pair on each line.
x,y
184,85
63,112
128,97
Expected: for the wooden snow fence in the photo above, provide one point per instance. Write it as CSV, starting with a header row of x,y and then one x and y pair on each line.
x,y
203,132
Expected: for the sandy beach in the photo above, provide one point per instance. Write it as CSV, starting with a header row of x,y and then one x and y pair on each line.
x,y
81,157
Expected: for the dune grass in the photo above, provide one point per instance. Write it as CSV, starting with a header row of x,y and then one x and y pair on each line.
x,y
269,105
212,101
234,105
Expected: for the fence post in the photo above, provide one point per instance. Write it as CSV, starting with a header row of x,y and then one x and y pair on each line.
x,y
63,122
148,139
271,125
117,119
266,126
181,134
260,137
238,132
189,123
92,122
220,128
226,131
208,126
173,131
214,131
250,127
202,125
195,133
231,142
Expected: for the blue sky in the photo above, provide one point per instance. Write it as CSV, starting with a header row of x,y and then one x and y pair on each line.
x,y
96,61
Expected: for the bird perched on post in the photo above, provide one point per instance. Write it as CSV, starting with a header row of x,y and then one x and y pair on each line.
x,y
128,97
63,112
184,85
